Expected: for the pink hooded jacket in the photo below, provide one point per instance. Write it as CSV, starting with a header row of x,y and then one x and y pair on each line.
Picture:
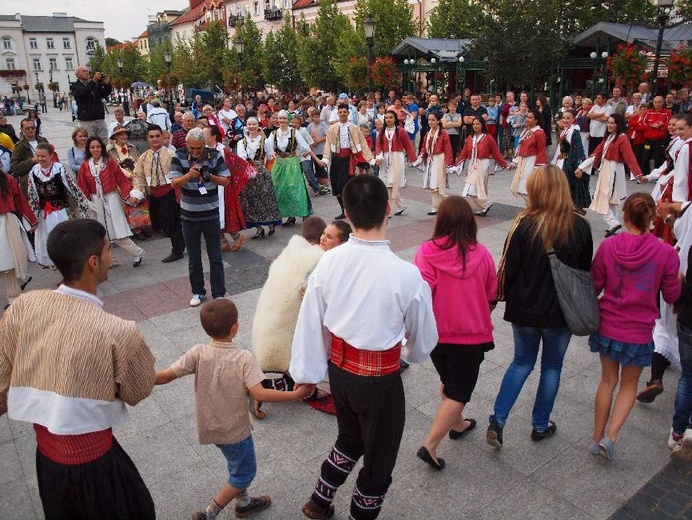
x,y
462,294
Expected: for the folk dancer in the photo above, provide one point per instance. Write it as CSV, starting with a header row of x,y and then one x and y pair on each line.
x,y
343,144
530,153
479,149
362,278
569,154
438,156
390,147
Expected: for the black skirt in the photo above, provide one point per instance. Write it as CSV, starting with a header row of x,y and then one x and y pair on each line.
x,y
108,488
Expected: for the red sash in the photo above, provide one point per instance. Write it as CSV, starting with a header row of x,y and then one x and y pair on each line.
x,y
364,362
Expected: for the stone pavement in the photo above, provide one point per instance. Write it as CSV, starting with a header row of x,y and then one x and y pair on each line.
x,y
556,478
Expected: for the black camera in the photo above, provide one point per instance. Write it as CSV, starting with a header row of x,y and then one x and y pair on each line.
x,y
205,172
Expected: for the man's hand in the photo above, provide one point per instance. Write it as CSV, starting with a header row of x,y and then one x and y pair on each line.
x,y
132,201
194,172
304,391
34,160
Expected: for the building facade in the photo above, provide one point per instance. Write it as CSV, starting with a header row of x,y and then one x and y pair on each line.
x,y
44,50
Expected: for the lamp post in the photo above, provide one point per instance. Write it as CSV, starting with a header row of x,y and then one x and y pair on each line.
x,y
168,58
239,45
664,7
369,27
50,86
594,56
461,74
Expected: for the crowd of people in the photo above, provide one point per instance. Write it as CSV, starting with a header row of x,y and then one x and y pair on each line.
x,y
214,172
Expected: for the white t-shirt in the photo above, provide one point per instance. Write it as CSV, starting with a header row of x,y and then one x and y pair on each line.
x,y
598,128
226,114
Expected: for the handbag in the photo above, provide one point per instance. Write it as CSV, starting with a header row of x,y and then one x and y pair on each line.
x,y
137,216
409,124
577,297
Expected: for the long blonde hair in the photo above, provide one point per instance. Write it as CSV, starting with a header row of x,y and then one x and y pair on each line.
x,y
550,206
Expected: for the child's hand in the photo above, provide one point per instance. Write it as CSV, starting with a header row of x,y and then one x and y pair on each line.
x,y
303,391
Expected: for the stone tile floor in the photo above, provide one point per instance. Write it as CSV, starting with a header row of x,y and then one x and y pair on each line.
x,y
557,478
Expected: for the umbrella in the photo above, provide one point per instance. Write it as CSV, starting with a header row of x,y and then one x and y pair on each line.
x,y
140,84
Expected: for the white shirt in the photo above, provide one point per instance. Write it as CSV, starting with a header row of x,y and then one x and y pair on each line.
x,y
598,128
344,138
226,114
278,141
159,116
112,126
365,294
681,173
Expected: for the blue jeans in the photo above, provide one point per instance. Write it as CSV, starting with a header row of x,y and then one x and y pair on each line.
x,y
241,462
683,399
193,233
500,138
526,343
309,173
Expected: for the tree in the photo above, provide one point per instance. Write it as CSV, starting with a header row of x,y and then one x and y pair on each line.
x,y
541,30
135,66
455,19
394,22
281,58
96,59
685,9
350,45
212,56
318,50
252,75
111,41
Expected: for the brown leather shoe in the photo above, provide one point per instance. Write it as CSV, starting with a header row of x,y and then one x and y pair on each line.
x,y
238,243
256,504
652,390
312,510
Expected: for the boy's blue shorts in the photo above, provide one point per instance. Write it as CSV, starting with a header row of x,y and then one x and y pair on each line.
x,y
242,465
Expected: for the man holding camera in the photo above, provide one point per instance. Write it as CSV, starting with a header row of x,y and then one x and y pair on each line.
x,y
199,171
89,94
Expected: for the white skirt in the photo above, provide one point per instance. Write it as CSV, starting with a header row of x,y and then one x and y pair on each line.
x,y
524,171
392,169
474,178
116,225
435,175
45,226
12,253
222,207
666,334
6,256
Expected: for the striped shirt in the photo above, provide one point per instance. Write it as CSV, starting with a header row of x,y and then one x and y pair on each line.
x,y
195,206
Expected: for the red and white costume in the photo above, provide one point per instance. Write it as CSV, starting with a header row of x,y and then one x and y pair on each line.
x,y
479,150
531,152
437,156
390,147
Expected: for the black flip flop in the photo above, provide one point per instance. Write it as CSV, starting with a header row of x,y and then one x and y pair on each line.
x,y
424,455
454,435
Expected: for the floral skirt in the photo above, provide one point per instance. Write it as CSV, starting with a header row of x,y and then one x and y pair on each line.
x,y
258,200
639,354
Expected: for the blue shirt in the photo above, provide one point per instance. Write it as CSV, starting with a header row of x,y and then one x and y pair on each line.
x,y
195,206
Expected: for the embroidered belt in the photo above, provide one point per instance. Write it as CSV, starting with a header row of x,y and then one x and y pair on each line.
x,y
284,154
364,362
160,191
343,153
73,449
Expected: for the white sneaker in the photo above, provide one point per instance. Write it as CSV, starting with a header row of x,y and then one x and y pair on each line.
x,y
197,299
672,443
683,453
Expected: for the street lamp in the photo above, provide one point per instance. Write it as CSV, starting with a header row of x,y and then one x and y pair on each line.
x,y
461,60
664,7
595,57
239,45
369,27
168,58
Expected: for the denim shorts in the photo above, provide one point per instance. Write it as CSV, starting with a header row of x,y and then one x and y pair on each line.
x,y
242,465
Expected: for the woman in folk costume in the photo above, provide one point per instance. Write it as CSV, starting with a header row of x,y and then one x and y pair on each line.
x,y
104,183
125,154
291,194
50,191
530,153
230,211
15,249
437,155
568,156
611,154
258,199
479,148
390,147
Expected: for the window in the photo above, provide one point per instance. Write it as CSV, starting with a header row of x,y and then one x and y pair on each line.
x,y
37,63
9,63
65,43
49,43
33,44
68,64
53,63
6,43
255,8
90,44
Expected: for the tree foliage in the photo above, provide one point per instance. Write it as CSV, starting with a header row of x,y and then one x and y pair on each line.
x,y
281,58
394,22
252,75
111,41
319,49
135,66
455,19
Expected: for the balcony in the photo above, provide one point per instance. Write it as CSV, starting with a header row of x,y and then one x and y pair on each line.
x,y
273,13
236,19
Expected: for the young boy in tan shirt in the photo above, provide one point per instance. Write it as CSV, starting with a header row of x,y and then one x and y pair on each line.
x,y
223,376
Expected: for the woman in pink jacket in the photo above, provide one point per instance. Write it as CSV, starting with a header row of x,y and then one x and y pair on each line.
x,y
461,274
630,268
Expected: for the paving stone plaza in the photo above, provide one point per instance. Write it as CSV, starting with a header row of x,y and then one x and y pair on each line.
x,y
556,478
